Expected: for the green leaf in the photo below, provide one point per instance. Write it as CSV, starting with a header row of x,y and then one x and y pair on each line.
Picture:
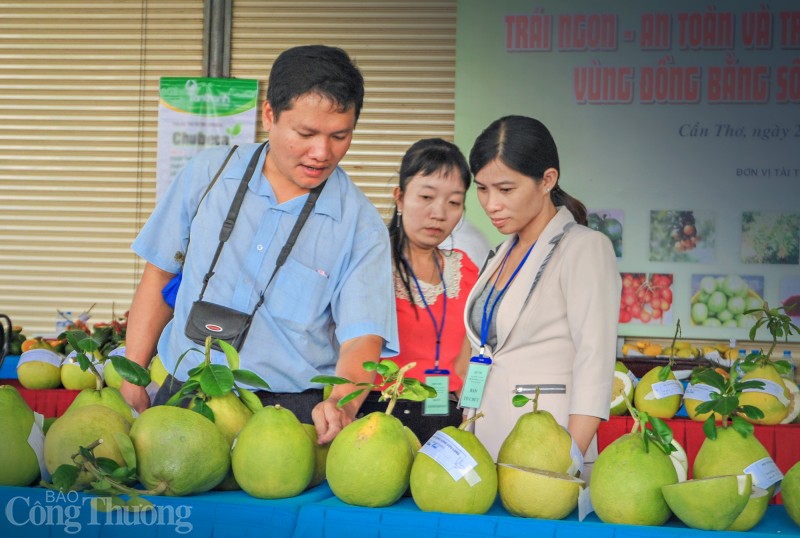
x,y
65,476
123,475
415,391
370,366
250,378
199,405
101,486
176,399
705,407
663,374
752,412
350,397
130,371
783,367
710,378
230,353
727,405
520,400
741,386
126,448
250,400
216,380
742,426
196,371
661,429
83,361
329,380
106,465
180,359
88,345
85,453
710,428
390,366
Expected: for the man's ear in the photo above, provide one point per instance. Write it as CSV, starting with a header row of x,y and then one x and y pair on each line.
x,y
267,116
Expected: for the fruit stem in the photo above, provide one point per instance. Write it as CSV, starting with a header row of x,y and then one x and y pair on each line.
x,y
394,390
463,425
536,400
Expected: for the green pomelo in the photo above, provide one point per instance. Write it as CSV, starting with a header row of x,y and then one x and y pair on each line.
x,y
539,442
435,490
621,391
14,406
73,378
644,398
320,457
691,408
710,504
753,511
110,376
626,483
179,452
39,375
108,397
537,493
273,457
20,465
774,410
157,371
413,440
369,462
81,427
790,492
230,416
729,454
619,366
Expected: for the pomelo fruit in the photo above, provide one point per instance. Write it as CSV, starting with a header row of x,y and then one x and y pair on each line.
x,y
434,489
80,427
626,483
696,394
73,378
773,408
539,442
178,451
710,504
730,453
753,511
369,462
790,492
273,457
320,457
110,376
157,371
107,396
645,399
621,391
39,369
537,493
20,464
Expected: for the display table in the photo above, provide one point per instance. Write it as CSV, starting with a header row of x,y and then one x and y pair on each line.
x,y
781,441
37,513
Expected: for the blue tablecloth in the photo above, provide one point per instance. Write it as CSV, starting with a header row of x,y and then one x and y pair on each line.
x,y
8,370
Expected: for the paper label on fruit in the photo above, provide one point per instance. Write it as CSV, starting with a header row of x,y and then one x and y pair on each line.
x,y
700,392
634,379
577,459
117,352
36,442
771,388
665,389
584,504
764,472
448,453
40,355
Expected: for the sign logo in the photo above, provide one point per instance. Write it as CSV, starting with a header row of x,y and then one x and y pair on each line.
x,y
214,328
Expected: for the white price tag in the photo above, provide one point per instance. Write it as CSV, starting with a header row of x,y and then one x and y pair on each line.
x,y
36,442
665,389
771,388
448,453
576,469
584,504
764,472
700,392
634,379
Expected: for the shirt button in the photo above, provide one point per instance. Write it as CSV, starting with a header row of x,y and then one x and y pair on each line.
x,y
260,248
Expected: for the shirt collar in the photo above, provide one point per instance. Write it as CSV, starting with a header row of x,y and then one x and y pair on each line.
x,y
329,202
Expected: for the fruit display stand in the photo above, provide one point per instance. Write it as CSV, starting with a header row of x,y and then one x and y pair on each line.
x,y
781,441
47,402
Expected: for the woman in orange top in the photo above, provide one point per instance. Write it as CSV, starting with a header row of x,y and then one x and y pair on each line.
x,y
431,285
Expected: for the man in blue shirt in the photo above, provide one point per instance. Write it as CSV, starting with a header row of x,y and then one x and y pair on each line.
x,y
330,307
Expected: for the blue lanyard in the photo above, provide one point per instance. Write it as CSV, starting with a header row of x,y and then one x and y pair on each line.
x,y
487,320
437,327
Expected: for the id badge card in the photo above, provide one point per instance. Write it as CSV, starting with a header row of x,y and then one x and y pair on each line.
x,y
475,382
440,381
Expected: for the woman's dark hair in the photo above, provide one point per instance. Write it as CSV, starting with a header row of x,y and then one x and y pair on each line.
x,y
425,157
526,146
327,71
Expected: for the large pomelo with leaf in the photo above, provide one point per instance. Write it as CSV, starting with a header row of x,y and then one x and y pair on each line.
x,y
179,452
20,464
627,481
369,462
273,457
527,492
646,399
108,397
711,504
435,489
773,401
80,427
75,378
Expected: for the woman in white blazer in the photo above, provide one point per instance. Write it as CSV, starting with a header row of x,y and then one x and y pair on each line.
x,y
547,300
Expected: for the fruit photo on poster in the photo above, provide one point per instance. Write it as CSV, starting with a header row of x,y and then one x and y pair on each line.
x,y
790,297
646,298
770,237
610,223
682,236
722,300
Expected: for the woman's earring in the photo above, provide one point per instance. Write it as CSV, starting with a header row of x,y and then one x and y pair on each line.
x,y
399,213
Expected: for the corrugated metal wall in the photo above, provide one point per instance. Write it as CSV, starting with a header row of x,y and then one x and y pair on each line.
x,y
78,122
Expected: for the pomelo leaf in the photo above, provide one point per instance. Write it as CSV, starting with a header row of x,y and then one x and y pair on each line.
x,y
783,367
230,353
123,474
387,367
329,380
710,428
216,380
64,477
350,397
126,448
711,378
107,465
249,399
130,371
197,371
726,405
370,366
249,378
519,400
752,412
705,407
742,426
750,384
415,391
88,345
200,406
101,486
